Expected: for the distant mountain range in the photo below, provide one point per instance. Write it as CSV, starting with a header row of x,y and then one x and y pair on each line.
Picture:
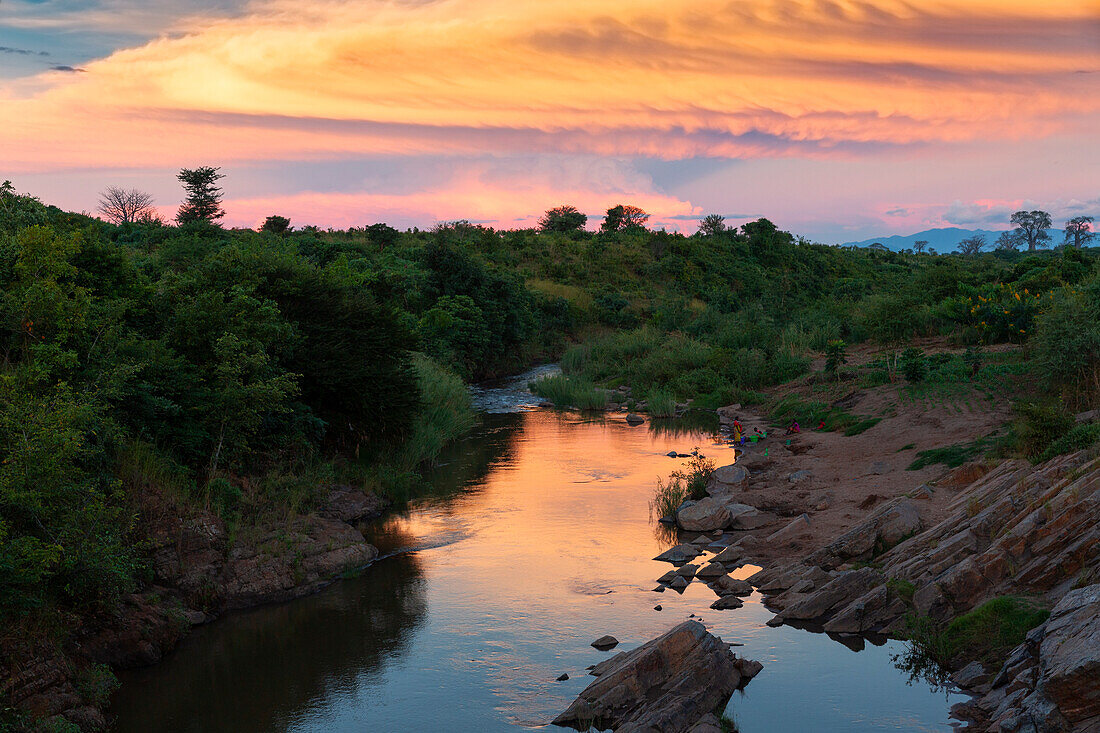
x,y
940,240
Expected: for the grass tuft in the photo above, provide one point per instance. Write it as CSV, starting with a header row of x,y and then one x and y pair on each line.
x,y
565,391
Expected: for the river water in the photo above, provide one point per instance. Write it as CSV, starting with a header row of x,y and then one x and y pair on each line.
x,y
536,540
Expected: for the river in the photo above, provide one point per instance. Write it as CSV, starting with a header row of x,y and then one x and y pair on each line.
x,y
535,540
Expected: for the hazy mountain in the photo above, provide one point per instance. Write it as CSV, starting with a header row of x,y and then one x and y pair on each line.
x,y
940,240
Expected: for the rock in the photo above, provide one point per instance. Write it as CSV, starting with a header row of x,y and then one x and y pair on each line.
x,y
701,540
671,454
1087,417
753,461
727,602
351,505
878,468
678,554
669,684
835,594
711,570
868,613
668,519
709,723
667,577
1069,655
923,492
687,571
734,474
733,554
744,517
563,677
605,642
704,515
657,607
634,419
971,676
728,585
799,476
679,583
798,526
887,526
659,589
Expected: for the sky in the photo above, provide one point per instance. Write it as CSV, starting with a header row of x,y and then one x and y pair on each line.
x,y
837,119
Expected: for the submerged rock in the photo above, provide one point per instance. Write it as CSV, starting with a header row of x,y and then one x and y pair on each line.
x,y
634,419
670,684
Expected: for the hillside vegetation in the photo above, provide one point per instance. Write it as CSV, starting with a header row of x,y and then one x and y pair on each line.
x,y
239,370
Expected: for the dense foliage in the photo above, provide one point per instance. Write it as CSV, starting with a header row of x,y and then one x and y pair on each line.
x,y
216,357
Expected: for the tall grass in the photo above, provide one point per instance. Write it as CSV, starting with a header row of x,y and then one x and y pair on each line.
x,y
661,403
681,486
445,415
566,391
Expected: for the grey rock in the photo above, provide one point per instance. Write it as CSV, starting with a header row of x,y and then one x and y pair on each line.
x,y
704,515
798,526
727,602
606,642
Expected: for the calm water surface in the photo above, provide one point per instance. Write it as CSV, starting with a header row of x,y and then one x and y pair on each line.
x,y
537,540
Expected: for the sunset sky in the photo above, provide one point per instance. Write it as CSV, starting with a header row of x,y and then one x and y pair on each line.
x,y
837,120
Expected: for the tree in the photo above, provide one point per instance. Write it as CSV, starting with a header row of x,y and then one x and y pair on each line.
x,y
562,219
973,245
125,205
204,197
1009,241
623,217
1032,227
712,224
383,235
920,245
276,224
1079,231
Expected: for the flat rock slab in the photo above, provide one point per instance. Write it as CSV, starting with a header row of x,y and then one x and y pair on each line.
x,y
669,684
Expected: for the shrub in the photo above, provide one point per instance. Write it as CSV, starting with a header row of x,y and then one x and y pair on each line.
x,y
669,496
914,364
836,356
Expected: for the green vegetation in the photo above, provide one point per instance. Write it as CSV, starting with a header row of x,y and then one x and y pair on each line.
x,y
682,486
951,456
987,633
566,392
810,414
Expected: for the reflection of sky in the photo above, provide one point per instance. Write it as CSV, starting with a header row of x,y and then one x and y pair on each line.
x,y
522,570
838,120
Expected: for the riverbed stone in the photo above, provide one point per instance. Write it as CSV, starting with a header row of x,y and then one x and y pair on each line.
x,y
704,515
727,602
711,570
669,684
797,527
679,554
605,642
729,585
732,475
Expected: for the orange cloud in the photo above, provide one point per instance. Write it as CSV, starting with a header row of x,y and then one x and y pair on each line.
x,y
659,78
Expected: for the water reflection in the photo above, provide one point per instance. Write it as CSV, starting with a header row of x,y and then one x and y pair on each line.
x,y
537,540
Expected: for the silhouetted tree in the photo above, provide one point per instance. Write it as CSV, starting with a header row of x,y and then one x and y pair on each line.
x,y
623,217
712,224
125,205
382,235
973,245
920,245
1079,231
563,219
1032,226
1009,241
276,224
204,197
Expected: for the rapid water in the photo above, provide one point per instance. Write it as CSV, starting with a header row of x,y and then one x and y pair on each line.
x,y
537,540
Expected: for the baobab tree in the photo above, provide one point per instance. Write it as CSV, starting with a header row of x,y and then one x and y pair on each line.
x,y
125,205
1032,227
920,245
973,245
1079,231
1009,241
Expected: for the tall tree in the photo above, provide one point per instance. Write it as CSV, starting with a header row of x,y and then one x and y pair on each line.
x,y
204,197
623,216
920,245
973,245
125,205
1009,241
563,219
1079,231
1032,227
712,224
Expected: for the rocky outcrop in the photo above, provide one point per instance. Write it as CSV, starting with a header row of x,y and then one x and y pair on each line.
x,y
672,684
1051,682
887,526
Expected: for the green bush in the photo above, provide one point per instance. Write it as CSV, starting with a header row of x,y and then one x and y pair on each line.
x,y
661,404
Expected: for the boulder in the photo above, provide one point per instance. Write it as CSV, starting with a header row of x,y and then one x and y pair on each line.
x,y
669,684
1087,417
734,474
734,554
634,419
711,570
753,461
798,526
834,595
971,676
704,515
678,554
868,613
687,571
1069,655
885,527
679,583
745,517
605,642
727,602
799,476
727,585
